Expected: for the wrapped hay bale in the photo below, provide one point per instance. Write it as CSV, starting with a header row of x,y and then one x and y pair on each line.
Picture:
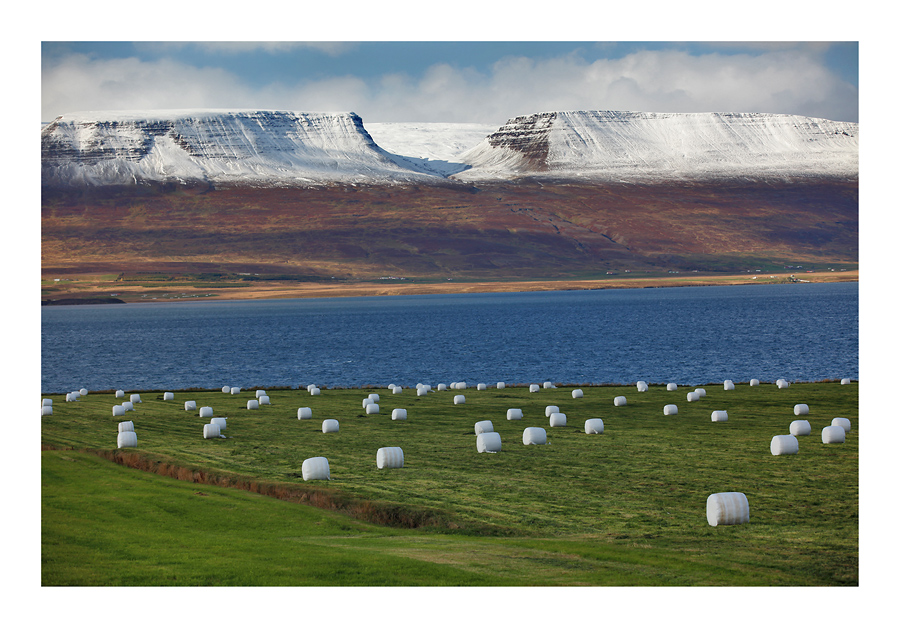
x,y
221,421
700,391
304,413
800,427
550,410
534,388
421,392
118,410
128,406
833,434
488,442
549,385
727,509
442,386
620,401
845,381
693,396
670,409
754,382
366,402
483,427
782,383
460,385
226,389
375,397
315,469
260,393
126,439
784,445
253,404
719,416
373,408
46,410
729,385
671,386
168,396
126,426
501,385
842,422
398,414
330,426
83,392
642,386
120,394
264,400
135,398
801,408
514,414
211,430
593,426
72,396
46,402
534,436
577,394
557,419
235,390
315,391
399,389
458,399
190,405
206,412
481,387
389,458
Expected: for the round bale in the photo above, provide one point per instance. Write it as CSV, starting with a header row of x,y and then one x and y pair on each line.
x,y
315,469
126,426
126,439
801,408
488,442
482,427
221,421
458,399
206,412
168,396
501,385
264,400
118,410
727,509
557,419
620,401
135,398
833,434
845,381
389,458
372,408
693,396
398,414
593,426
719,416
784,445
670,409
211,430
304,413
671,386
253,404
190,405
577,393
48,411
534,388
729,385
534,436
550,410
642,386
754,382
128,406
842,422
514,414
800,427
120,394
330,426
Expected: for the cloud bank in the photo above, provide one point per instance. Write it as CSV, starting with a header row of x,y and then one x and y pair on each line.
x,y
774,81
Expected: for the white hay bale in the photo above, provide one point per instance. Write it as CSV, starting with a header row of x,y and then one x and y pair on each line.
x,y
719,416
842,422
501,385
226,389
782,383
235,390
800,427
534,436
329,426
801,408
442,386
373,408
126,439
784,445
260,393
264,400
398,414
315,391
671,386
135,398
206,412
549,385
212,430
727,509
120,394
399,389
190,405
729,385
421,392
168,396
845,381
670,409
309,387
118,410
593,426
46,410
46,402
483,426
557,419
315,469
304,413
221,421
700,391
71,397
550,410
389,458
375,397
488,442
481,387
642,386
693,396
514,414
126,426
253,404
577,394
128,406
366,402
754,382
458,399
84,392
460,385
833,434
620,401
534,388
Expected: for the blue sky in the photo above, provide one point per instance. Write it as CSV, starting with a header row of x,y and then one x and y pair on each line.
x,y
453,81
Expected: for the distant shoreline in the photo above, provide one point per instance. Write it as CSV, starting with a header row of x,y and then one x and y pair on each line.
x,y
301,290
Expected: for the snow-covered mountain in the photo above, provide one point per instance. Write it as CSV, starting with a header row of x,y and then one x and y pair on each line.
x,y
288,148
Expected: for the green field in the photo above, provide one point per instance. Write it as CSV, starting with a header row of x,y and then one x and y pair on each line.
x,y
622,508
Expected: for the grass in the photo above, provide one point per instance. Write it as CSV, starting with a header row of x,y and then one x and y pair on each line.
x,y
625,508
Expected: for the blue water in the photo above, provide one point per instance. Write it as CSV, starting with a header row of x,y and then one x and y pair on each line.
x,y
801,332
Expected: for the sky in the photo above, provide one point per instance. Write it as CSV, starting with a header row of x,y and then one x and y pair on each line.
x,y
479,81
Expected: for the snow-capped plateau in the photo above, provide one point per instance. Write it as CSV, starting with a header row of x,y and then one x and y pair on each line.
x,y
291,148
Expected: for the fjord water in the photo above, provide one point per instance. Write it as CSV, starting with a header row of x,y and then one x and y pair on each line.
x,y
692,336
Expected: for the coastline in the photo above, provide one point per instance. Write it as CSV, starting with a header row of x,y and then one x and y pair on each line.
x,y
92,291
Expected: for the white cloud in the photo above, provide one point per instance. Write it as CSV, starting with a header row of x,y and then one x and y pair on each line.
x,y
780,80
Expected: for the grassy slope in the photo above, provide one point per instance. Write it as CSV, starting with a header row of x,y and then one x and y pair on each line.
x,y
624,507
